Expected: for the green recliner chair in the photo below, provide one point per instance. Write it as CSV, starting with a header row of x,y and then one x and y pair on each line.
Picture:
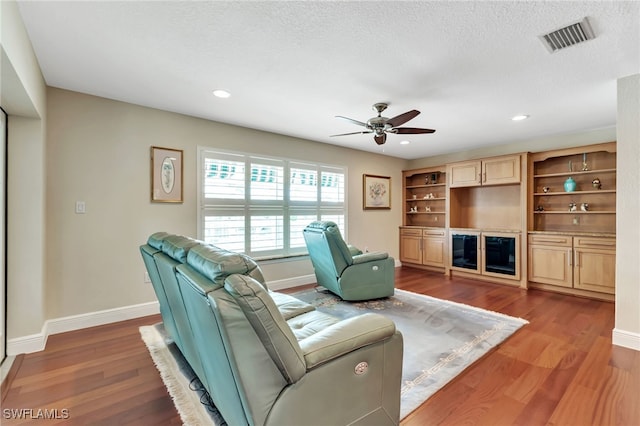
x,y
344,270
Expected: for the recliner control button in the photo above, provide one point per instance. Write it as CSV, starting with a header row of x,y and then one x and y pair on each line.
x,y
361,368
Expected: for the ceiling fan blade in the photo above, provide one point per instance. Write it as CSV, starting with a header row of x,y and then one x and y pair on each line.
x,y
353,133
409,130
403,118
356,122
380,139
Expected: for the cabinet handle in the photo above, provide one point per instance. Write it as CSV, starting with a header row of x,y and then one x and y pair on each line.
x,y
484,177
479,177
569,256
559,240
577,260
599,244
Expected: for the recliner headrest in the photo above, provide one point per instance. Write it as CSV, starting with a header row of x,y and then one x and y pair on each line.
x,y
333,237
156,240
177,247
217,264
322,225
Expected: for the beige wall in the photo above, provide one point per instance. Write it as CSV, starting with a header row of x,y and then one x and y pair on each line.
x,y
23,97
627,329
98,152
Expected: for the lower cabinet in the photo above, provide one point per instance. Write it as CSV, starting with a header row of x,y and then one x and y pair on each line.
x,y
423,246
578,262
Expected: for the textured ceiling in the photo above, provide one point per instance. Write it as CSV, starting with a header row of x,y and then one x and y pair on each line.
x,y
292,66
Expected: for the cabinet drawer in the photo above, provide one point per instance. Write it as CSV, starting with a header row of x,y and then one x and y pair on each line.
x,y
433,232
411,232
590,242
550,240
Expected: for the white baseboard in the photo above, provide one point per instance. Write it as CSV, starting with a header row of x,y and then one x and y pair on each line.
x,y
291,282
36,342
626,339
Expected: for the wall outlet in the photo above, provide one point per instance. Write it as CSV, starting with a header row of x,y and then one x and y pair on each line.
x,y
576,220
147,278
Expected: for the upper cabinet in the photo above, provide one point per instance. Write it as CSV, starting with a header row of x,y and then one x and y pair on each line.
x,y
574,190
488,194
492,171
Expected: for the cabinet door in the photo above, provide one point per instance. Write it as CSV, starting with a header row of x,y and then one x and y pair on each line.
x,y
433,250
595,264
464,249
501,170
501,255
467,173
410,249
551,265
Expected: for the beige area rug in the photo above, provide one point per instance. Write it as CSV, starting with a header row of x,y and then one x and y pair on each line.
x,y
441,339
186,390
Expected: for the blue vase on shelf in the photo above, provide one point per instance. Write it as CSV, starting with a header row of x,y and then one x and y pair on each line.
x,y
569,185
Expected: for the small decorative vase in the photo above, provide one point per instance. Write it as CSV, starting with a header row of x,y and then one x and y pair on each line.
x,y
569,185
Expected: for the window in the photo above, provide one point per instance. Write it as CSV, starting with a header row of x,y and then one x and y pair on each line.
x,y
259,205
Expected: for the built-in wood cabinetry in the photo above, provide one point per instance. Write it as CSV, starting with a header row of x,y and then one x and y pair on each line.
x,y
423,235
594,264
491,171
487,199
551,259
489,254
425,192
425,247
510,219
572,227
591,206
582,264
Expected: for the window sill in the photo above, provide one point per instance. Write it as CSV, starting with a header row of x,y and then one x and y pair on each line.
x,y
282,259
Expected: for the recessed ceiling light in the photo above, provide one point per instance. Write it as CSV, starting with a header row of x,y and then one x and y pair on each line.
x,y
405,142
221,93
520,117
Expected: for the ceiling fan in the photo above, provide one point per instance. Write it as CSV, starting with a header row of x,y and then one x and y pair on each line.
x,y
380,126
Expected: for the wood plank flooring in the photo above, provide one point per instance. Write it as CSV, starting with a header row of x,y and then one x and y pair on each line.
x,y
561,369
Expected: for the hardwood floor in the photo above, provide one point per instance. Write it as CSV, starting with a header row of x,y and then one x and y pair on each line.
x,y
561,369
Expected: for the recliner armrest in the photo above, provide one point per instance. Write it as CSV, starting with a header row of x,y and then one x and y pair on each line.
x,y
344,337
368,257
354,250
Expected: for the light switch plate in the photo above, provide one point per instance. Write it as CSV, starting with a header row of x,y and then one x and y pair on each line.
x,y
81,207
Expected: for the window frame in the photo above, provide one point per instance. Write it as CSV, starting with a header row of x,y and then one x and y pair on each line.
x,y
248,208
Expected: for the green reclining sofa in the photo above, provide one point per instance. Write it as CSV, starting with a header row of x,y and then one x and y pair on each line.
x,y
267,358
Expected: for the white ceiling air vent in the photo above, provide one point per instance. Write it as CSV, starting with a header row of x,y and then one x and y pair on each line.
x,y
568,36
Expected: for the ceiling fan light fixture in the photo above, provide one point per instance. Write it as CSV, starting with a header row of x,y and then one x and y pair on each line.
x,y
519,117
380,125
221,93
